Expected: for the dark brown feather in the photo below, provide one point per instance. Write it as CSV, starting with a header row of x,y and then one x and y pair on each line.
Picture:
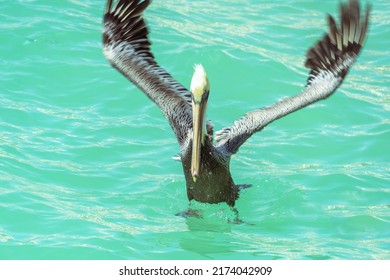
x,y
128,25
342,43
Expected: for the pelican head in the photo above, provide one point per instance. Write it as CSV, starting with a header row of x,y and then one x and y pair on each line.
x,y
200,89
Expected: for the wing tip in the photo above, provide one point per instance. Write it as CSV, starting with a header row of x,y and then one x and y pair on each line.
x,y
124,21
337,50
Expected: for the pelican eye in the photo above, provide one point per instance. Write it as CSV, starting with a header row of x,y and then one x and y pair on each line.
x,y
205,95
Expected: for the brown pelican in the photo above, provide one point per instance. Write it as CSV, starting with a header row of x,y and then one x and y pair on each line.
x,y
206,160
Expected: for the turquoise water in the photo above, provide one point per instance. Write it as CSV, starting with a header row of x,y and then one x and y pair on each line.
x,y
85,158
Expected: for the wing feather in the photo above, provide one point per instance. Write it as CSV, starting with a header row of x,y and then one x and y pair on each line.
x,y
329,60
127,47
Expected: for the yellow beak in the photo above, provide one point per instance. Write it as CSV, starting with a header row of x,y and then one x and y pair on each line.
x,y
198,111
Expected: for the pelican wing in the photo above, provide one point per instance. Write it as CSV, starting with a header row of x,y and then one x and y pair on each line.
x,y
127,48
329,60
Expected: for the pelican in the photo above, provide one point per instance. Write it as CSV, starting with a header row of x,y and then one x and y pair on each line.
x,y
206,159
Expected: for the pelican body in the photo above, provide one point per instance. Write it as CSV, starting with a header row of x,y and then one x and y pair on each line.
x,y
214,182
205,160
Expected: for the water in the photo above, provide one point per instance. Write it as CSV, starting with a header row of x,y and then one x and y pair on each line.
x,y
85,158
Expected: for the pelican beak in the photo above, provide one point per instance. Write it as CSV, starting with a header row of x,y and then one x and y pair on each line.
x,y
200,91
198,112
